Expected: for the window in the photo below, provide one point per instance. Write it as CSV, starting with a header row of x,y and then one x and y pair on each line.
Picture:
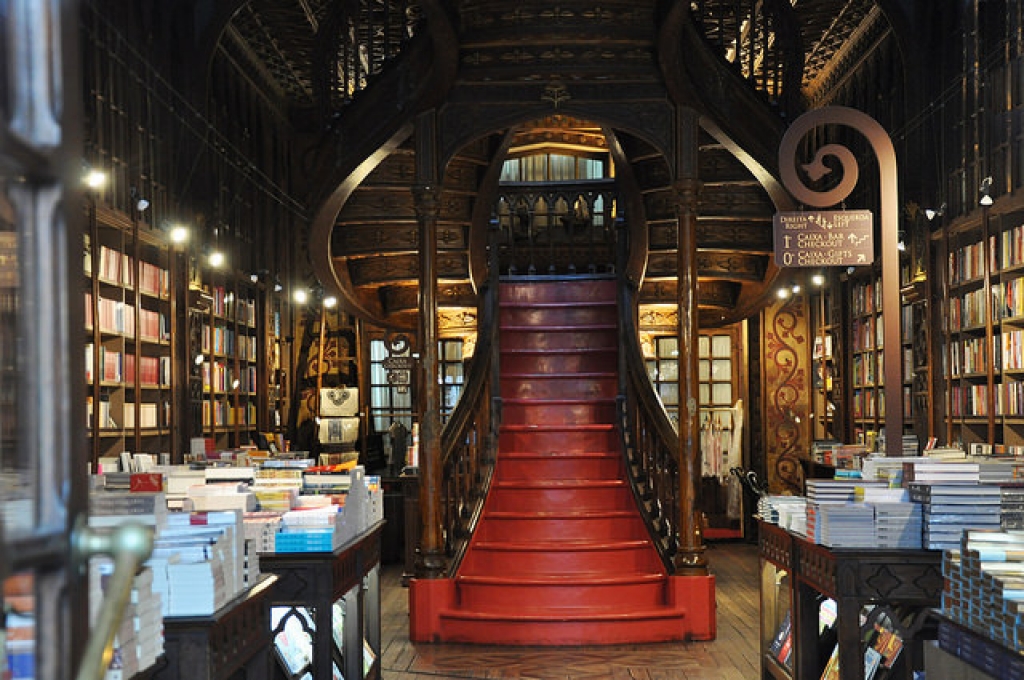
x,y
389,401
663,371
553,167
450,375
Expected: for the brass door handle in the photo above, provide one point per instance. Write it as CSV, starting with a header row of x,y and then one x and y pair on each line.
x,y
129,545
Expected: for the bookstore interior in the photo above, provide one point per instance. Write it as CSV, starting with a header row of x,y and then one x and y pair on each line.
x,y
510,297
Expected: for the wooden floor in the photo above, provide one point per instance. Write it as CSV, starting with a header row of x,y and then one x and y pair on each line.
x,y
732,656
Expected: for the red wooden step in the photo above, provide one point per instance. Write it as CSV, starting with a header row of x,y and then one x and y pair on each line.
x,y
598,336
520,525
557,411
581,290
575,558
559,385
565,629
562,438
558,361
560,495
499,594
593,465
601,313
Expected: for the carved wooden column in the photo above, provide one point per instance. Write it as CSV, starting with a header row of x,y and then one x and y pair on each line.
x,y
431,562
690,558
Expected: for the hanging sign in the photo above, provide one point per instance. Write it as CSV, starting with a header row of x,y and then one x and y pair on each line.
x,y
824,238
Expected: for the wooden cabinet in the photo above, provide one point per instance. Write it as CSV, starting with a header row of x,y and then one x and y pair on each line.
x,y
336,598
800,579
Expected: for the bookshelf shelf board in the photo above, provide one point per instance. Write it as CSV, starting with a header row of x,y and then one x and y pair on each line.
x,y
774,668
974,329
966,284
1012,321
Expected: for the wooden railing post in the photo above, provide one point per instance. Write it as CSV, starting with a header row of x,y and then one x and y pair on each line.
x,y
690,558
426,193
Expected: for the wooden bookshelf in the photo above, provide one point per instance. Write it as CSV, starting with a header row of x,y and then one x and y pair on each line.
x,y
129,323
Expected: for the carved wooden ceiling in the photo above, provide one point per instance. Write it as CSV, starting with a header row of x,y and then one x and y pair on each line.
x,y
374,247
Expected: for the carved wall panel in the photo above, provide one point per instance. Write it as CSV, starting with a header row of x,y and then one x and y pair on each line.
x,y
735,200
786,386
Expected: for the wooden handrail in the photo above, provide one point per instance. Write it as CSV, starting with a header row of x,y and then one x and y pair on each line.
x,y
470,438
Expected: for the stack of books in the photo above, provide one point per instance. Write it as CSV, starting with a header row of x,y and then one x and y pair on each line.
x,y
942,471
898,524
985,586
947,508
1011,506
139,640
842,525
789,512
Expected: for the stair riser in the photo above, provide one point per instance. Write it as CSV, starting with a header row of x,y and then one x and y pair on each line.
x,y
558,363
577,314
561,634
559,387
561,563
555,339
578,499
561,291
553,413
548,529
565,440
558,467
509,598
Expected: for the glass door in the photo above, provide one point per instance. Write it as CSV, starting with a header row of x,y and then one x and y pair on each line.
x,y
42,414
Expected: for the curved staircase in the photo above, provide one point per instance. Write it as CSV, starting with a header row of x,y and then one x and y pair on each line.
x,y
561,555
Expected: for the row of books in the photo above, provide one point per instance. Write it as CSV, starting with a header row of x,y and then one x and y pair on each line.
x,y
116,316
119,367
119,269
225,341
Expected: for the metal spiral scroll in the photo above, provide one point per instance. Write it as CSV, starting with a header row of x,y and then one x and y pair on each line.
x,y
838,115
881,144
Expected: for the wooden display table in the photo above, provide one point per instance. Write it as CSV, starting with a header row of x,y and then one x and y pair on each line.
x,y
906,580
315,581
234,639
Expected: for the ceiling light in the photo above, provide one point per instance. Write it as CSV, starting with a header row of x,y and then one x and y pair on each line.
x,y
330,302
95,179
301,295
216,259
818,279
179,234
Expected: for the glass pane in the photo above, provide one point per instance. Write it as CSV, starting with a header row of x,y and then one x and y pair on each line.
x,y
721,346
669,371
704,370
669,394
668,348
704,394
16,464
722,393
703,346
453,350
721,369
652,370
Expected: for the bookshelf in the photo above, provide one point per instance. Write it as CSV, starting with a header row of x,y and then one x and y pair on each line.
x,y
279,360
983,334
129,356
867,403
225,338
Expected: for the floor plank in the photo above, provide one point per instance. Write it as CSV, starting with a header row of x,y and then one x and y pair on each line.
x,y
732,656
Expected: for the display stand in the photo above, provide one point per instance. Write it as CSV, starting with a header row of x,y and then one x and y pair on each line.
x,y
318,586
234,640
904,582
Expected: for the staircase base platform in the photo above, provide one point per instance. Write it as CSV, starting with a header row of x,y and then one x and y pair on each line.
x,y
690,615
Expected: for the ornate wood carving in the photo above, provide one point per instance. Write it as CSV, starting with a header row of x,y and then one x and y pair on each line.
x,y
787,391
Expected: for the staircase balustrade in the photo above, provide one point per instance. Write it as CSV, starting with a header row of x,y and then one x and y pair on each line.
x,y
650,442
356,41
759,40
469,439
557,227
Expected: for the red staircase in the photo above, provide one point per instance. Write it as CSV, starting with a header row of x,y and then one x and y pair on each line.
x,y
561,555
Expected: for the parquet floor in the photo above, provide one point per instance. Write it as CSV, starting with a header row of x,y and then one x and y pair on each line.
x,y
732,656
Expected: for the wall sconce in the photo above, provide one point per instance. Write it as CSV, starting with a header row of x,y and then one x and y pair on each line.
x,y
179,234
330,302
932,213
277,284
901,244
818,280
216,259
140,203
301,296
986,186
